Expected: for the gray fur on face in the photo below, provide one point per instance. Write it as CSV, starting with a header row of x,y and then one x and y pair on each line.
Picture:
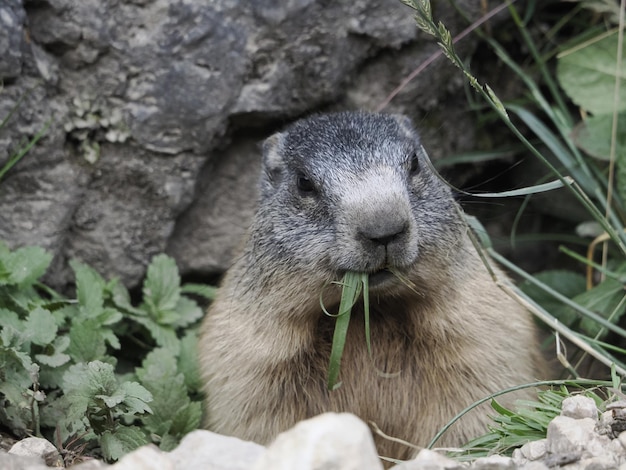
x,y
353,191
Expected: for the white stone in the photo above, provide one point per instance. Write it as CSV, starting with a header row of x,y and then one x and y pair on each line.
x,y
147,457
207,450
606,462
328,441
579,407
90,465
429,460
604,424
534,450
494,462
19,462
599,446
617,449
37,447
621,440
518,457
569,435
534,466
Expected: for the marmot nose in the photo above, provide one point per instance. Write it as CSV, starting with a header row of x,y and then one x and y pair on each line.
x,y
383,231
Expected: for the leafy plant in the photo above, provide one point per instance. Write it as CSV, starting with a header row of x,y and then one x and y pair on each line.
x,y
530,419
587,180
584,149
63,368
528,422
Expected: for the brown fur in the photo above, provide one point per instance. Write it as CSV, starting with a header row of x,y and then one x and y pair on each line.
x,y
450,340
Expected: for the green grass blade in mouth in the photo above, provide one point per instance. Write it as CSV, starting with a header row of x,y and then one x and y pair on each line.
x,y
352,286
366,311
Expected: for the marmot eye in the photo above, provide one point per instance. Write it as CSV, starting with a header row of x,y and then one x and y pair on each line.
x,y
305,185
414,164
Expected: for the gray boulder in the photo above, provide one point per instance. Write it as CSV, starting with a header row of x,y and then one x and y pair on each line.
x,y
155,109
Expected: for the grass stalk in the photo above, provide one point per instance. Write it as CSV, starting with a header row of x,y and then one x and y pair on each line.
x,y
542,383
353,284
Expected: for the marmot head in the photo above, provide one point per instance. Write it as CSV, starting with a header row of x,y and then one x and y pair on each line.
x,y
353,192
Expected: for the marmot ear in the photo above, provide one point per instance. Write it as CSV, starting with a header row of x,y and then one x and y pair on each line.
x,y
272,155
405,124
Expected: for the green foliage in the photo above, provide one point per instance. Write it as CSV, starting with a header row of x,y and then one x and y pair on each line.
x,y
61,358
606,298
581,154
583,148
588,73
173,413
528,422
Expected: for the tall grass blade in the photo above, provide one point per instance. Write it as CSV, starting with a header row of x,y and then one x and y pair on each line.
x,y
351,290
539,188
24,150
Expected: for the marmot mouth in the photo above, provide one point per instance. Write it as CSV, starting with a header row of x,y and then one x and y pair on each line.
x,y
380,277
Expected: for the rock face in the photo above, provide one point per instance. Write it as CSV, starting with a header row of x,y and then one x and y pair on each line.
x,y
155,108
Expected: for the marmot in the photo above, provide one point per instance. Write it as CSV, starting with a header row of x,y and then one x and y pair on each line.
x,y
352,191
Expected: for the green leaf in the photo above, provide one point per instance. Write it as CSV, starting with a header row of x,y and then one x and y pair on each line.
x,y
14,381
169,442
603,299
89,289
55,355
24,298
57,359
188,362
54,416
86,341
10,327
116,444
158,364
25,265
203,290
109,337
163,335
159,375
136,398
64,314
113,400
187,312
40,327
121,299
161,288
109,317
14,358
588,74
593,135
5,274
621,171
187,419
94,378
76,402
568,283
